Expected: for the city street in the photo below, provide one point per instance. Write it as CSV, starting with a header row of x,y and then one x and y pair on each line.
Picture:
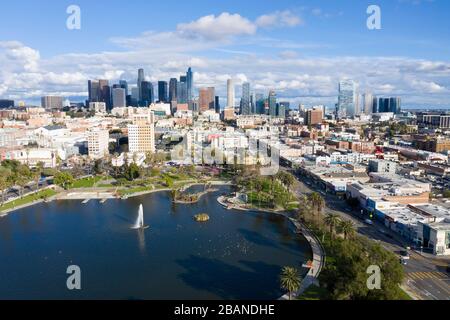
x,y
426,275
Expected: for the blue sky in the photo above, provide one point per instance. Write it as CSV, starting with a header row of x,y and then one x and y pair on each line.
x,y
299,48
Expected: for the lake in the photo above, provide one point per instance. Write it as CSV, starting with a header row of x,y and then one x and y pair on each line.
x,y
235,255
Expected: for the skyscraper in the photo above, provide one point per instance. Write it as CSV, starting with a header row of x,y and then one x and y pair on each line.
x,y
141,134
124,85
273,104
346,101
52,102
105,93
173,84
182,96
260,103
206,99
230,93
367,101
217,104
141,78
162,92
119,98
245,99
190,85
94,91
147,94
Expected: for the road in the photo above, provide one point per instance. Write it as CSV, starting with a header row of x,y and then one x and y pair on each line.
x,y
426,275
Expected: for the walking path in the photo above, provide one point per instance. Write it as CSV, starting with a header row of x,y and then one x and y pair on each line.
x,y
318,261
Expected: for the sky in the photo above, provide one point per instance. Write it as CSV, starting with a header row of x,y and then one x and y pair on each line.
x,y
301,49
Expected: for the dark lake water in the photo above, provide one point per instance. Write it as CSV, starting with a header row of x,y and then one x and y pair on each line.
x,y
235,255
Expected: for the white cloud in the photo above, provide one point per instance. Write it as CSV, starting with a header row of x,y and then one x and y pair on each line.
x,y
279,19
25,75
221,27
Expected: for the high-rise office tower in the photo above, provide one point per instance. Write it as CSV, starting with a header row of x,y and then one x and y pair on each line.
x,y
119,97
367,102
217,104
141,134
124,85
190,85
346,101
94,91
230,93
260,103
245,99
282,109
98,143
105,93
140,79
375,105
395,105
273,104
206,99
383,105
162,92
147,94
173,84
52,102
182,96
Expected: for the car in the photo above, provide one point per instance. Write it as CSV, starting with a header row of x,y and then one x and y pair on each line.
x,y
403,261
368,221
404,254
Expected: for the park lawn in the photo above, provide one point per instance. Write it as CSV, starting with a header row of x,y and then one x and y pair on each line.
x,y
125,192
85,182
314,293
28,199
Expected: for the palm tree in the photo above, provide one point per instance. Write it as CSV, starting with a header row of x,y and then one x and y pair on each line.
x,y
332,220
290,280
347,227
317,203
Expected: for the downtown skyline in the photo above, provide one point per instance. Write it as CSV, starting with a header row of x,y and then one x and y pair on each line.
x,y
300,51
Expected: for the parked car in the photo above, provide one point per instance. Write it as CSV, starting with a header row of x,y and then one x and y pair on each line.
x,y
368,221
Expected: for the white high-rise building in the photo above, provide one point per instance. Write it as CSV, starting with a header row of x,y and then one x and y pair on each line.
x,y
230,94
141,134
367,103
98,143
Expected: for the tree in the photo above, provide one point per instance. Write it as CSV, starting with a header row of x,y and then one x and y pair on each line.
x,y
64,179
4,185
290,280
132,172
332,220
347,227
317,203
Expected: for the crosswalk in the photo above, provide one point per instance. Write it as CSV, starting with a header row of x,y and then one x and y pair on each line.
x,y
428,275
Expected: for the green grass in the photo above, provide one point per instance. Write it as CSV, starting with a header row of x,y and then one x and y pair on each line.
x,y
314,293
86,182
28,199
125,192
404,295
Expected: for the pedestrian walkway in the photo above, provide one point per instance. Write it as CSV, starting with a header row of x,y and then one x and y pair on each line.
x,y
318,261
